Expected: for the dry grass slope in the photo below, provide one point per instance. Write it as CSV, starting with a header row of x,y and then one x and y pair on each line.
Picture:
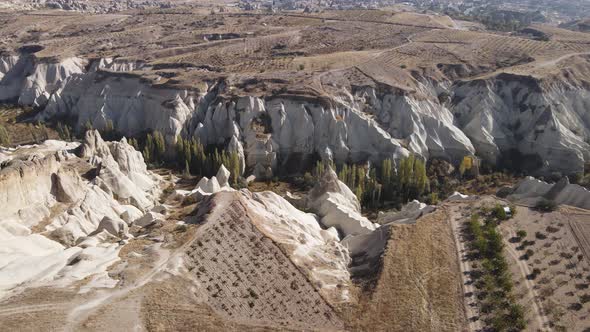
x,y
420,284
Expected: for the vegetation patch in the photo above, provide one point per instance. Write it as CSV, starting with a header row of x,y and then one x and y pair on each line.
x,y
493,280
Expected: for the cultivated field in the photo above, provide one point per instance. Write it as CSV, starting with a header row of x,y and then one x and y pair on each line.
x,y
558,269
247,277
187,46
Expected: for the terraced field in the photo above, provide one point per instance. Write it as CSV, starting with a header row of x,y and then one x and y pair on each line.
x,y
247,277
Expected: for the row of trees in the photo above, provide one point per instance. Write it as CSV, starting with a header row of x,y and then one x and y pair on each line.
x,y
65,132
493,279
155,148
195,159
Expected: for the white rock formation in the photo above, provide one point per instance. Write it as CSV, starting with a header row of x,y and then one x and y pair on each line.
x,y
530,191
117,228
41,189
457,196
544,118
32,82
208,187
338,207
547,119
132,106
366,249
315,251
424,123
149,219
116,65
408,214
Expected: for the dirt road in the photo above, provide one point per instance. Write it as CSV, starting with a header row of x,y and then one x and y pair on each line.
x,y
470,301
536,305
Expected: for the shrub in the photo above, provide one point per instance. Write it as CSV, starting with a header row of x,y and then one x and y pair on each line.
x,y
433,199
546,205
308,180
64,132
576,178
521,234
540,236
499,212
515,318
513,211
181,228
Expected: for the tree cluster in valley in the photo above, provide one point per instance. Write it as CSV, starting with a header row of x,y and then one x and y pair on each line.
x,y
385,185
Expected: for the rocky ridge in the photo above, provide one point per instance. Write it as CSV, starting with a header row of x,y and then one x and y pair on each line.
x,y
544,119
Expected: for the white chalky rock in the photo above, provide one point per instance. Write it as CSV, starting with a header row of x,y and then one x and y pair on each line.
x,y
338,207
544,118
223,176
408,214
148,219
530,191
457,196
41,183
208,187
116,228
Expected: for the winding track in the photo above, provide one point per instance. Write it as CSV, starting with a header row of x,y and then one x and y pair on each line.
x,y
80,313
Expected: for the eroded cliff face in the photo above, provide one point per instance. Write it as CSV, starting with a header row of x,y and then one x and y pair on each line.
x,y
66,207
545,119
31,81
549,121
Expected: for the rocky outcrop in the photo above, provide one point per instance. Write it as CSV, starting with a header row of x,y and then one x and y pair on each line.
x,y
545,120
122,170
208,187
74,217
427,126
407,215
31,81
116,65
338,207
131,105
530,191
26,189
